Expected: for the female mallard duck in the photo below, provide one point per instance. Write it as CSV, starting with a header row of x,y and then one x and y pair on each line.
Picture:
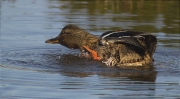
x,y
114,48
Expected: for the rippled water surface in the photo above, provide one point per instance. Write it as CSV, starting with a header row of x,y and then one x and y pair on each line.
x,y
30,68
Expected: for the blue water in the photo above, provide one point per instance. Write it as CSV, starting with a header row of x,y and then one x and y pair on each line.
x,y
32,69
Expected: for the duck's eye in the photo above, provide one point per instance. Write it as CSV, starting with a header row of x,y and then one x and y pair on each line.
x,y
64,33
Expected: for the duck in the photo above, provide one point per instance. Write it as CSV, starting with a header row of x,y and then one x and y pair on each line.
x,y
113,48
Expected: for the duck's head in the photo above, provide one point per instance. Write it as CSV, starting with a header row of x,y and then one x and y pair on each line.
x,y
72,36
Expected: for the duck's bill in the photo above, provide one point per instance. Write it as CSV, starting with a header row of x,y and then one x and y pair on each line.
x,y
52,41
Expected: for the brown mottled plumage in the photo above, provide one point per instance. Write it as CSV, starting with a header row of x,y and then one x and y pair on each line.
x,y
74,37
114,48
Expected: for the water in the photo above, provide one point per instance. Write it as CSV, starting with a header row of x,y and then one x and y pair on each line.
x,y
31,68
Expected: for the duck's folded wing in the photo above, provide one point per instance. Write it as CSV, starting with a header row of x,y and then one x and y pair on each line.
x,y
120,33
127,40
142,40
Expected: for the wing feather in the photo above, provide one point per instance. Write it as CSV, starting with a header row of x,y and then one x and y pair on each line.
x,y
139,39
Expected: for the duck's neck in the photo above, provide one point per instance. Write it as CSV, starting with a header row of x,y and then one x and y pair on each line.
x,y
91,41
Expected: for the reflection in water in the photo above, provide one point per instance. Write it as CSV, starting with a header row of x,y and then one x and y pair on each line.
x,y
72,65
75,75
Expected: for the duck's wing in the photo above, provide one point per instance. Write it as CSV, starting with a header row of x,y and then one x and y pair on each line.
x,y
140,39
151,43
120,33
126,40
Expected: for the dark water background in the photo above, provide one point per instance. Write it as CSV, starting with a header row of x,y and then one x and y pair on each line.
x,y
29,68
